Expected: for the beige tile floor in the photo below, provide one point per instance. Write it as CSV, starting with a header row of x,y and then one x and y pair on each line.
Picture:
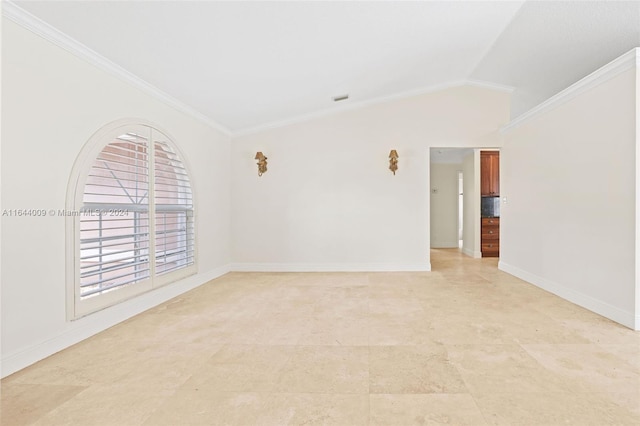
x,y
465,344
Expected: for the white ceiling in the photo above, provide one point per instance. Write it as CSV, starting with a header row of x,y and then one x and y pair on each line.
x,y
253,64
449,155
550,45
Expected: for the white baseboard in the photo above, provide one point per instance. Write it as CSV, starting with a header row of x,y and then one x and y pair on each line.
x,y
331,267
99,321
472,253
626,318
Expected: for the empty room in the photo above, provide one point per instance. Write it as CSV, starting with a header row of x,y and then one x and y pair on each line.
x,y
320,213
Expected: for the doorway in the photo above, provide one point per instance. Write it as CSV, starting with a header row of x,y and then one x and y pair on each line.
x,y
455,199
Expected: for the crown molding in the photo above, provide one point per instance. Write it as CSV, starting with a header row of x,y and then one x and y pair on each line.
x,y
619,65
488,85
37,26
370,102
34,24
343,108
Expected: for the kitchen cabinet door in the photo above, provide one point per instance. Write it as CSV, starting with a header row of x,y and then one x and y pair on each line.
x,y
490,173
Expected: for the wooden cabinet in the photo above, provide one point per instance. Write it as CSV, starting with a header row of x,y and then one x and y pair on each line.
x,y
490,237
489,173
490,187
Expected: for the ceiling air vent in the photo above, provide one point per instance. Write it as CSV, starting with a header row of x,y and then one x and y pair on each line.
x,y
340,98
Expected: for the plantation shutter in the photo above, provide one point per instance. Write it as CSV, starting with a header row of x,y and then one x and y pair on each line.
x,y
114,219
174,230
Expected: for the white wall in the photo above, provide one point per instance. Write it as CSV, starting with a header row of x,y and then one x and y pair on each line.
x,y
444,205
637,217
569,174
52,103
329,201
471,205
0,187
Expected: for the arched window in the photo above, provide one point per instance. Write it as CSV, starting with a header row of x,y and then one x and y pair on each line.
x,y
133,217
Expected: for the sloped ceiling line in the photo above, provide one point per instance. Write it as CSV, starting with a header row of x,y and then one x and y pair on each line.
x,y
34,24
628,61
242,67
251,64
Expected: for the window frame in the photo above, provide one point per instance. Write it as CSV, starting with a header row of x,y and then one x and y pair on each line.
x,y
76,307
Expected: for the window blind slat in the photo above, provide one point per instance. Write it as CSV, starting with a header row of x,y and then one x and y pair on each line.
x,y
113,237
116,249
174,238
114,221
115,285
107,253
107,269
135,272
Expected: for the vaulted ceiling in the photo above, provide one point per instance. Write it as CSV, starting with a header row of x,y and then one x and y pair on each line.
x,y
247,65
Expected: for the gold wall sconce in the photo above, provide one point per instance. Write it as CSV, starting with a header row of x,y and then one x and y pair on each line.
x,y
393,161
262,163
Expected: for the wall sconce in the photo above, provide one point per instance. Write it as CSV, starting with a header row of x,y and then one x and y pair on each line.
x,y
393,161
262,163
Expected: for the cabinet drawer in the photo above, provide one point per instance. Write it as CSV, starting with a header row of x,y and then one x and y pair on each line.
x,y
490,232
490,221
490,246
